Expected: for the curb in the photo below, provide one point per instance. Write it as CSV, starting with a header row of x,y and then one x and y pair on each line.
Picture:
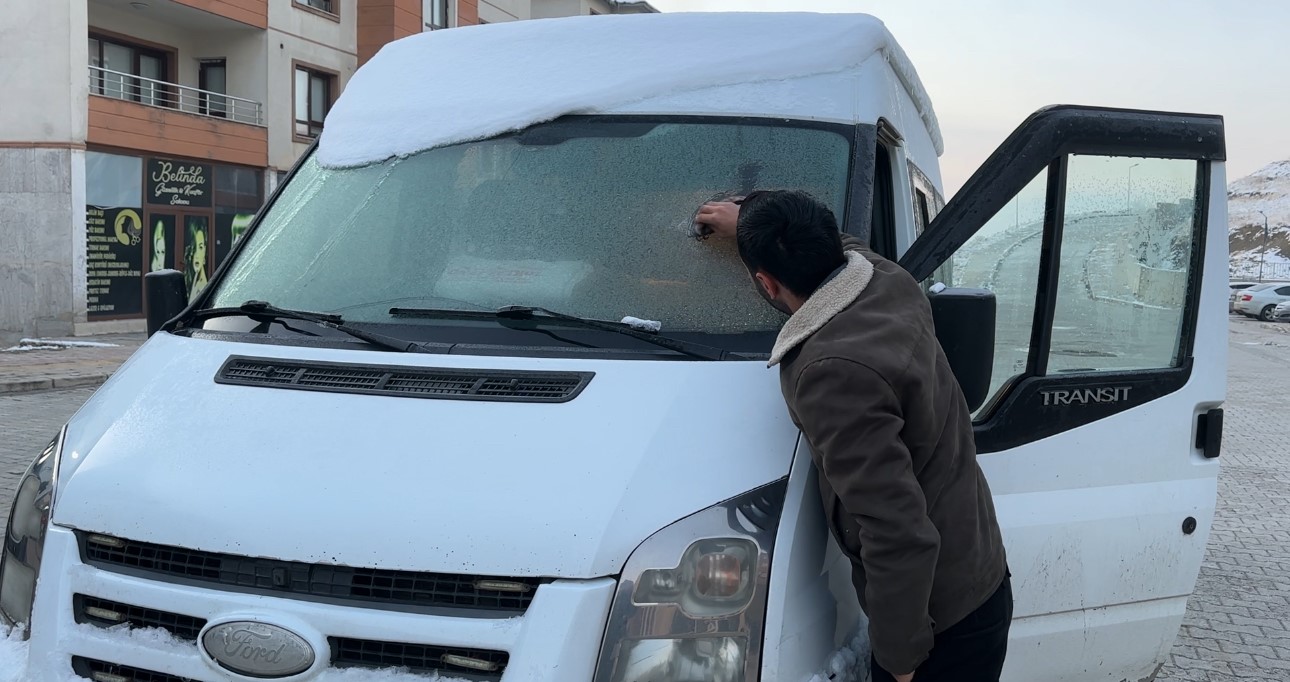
x,y
51,383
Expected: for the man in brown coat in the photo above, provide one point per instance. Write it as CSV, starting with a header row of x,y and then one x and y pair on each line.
x,y
869,386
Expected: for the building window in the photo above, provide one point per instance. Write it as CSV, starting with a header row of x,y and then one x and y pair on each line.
x,y
212,79
127,71
313,98
328,6
436,13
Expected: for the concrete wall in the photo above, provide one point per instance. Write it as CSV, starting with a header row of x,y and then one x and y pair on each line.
x,y
497,11
291,19
42,263
300,36
547,9
42,167
1160,287
42,50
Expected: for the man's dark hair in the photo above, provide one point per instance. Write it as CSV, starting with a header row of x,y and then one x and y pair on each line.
x,y
790,235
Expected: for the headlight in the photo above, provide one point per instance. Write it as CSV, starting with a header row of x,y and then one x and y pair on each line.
x,y
24,538
692,600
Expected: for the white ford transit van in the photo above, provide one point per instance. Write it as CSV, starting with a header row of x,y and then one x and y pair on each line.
x,y
402,433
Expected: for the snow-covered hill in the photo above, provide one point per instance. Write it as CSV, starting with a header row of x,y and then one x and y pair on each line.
x,y
1267,189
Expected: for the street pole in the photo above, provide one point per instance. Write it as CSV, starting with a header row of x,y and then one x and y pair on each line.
x,y
1128,208
1128,199
1264,255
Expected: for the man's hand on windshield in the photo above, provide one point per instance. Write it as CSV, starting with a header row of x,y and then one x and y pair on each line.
x,y
719,217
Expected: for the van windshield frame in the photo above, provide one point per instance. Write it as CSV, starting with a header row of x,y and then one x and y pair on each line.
x,y
854,180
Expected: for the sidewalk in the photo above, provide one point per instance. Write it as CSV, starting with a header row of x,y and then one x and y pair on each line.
x,y
65,367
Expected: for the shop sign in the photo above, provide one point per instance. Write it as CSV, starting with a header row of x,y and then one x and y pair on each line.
x,y
114,261
176,183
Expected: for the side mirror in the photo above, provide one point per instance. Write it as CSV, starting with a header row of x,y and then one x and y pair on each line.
x,y
165,295
964,320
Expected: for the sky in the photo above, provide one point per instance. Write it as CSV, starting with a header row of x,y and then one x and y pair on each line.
x,y
988,64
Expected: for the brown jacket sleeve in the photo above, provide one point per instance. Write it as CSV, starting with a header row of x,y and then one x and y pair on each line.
x,y
852,419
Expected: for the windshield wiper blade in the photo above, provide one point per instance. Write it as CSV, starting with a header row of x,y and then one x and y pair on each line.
x,y
525,312
261,310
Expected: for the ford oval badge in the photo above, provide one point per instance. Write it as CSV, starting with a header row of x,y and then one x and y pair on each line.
x,y
258,649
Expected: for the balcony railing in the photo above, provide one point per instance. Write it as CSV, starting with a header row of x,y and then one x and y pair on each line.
x,y
155,93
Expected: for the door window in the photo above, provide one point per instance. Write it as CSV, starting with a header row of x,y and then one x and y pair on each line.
x,y
1123,244
1126,252
1108,210
212,80
1003,257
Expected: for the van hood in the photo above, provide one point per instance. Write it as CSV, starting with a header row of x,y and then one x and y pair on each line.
x,y
163,454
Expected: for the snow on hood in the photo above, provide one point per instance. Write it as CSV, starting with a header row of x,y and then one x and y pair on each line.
x,y
445,87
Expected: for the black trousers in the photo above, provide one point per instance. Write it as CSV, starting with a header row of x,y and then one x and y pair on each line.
x,y
972,650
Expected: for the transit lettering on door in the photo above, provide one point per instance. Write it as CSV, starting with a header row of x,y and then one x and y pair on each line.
x,y
1085,396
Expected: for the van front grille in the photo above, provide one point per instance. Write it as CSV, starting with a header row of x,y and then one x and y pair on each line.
x,y
408,382
105,613
419,658
102,670
369,587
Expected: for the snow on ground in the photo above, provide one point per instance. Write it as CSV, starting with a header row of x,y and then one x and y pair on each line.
x,y
508,76
848,664
54,344
13,655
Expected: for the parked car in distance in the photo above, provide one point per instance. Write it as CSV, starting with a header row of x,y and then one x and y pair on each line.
x,y
1281,313
1236,288
1261,300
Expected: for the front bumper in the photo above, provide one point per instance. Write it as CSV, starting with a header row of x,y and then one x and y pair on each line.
x,y
557,638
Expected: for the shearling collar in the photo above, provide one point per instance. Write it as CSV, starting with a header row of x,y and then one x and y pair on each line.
x,y
827,301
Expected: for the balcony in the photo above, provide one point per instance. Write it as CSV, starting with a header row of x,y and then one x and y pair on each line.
x,y
187,99
134,112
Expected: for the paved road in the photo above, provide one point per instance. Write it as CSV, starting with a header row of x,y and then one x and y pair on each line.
x,y
1238,622
28,421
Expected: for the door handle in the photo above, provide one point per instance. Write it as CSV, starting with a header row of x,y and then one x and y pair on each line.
x,y
1209,432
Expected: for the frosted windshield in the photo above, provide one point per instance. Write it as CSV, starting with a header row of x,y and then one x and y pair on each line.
x,y
595,225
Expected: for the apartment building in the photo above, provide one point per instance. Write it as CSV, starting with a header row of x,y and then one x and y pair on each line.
x,y
137,135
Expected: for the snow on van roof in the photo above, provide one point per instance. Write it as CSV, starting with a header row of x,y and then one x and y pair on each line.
x,y
443,87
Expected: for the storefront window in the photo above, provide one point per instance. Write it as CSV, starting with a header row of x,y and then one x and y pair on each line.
x,y
151,214
113,235
238,195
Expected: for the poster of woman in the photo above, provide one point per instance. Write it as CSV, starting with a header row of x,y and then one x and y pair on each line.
x,y
196,255
161,243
